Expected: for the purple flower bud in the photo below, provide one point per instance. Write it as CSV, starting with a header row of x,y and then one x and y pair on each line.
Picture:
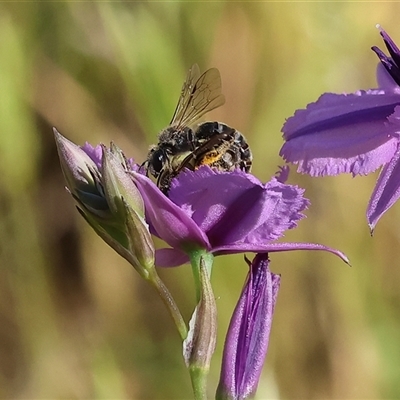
x,y
108,199
82,175
247,340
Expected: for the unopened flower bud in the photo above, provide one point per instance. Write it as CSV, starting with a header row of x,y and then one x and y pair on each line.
x,y
81,173
108,200
118,184
247,340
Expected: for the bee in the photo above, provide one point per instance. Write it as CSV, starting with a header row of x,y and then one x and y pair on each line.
x,y
184,145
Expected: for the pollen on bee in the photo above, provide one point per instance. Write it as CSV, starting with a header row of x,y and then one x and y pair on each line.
x,y
210,158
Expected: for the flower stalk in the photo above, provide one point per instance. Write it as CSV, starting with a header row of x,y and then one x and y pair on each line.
x,y
198,259
199,346
169,302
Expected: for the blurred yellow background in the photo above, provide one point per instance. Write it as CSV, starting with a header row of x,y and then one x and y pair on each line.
x,y
76,321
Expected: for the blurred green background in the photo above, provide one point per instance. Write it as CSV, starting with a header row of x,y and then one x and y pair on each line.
x,y
76,321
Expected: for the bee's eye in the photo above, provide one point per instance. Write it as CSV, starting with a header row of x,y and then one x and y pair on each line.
x,y
157,162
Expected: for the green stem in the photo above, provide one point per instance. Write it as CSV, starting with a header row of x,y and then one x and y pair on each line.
x,y
169,301
204,331
207,259
199,382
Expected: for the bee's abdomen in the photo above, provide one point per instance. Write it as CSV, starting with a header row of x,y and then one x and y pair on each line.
x,y
225,148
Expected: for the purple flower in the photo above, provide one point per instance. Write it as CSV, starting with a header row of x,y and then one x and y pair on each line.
x,y
353,133
222,213
208,212
214,211
246,343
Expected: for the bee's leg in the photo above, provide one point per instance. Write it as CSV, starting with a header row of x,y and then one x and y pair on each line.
x,y
144,165
190,138
165,177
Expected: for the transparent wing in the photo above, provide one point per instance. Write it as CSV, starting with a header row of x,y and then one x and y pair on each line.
x,y
200,94
186,92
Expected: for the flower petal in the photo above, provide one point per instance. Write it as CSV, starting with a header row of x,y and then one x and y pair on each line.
x,y
384,79
170,258
167,220
275,247
279,209
94,152
282,175
386,192
236,207
342,133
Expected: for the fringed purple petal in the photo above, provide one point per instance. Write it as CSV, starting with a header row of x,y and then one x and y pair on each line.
x,y
236,207
282,175
207,194
342,133
280,208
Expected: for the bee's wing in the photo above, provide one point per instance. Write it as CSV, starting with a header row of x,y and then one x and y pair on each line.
x,y
200,94
186,92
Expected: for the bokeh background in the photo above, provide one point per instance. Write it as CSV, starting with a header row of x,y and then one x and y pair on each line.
x,y
76,321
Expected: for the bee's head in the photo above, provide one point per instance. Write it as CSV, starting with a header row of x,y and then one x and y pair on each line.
x,y
156,160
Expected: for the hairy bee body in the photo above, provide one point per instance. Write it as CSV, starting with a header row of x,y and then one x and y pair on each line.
x,y
210,143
